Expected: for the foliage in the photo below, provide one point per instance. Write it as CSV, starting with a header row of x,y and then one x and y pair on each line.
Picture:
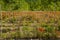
x,y
30,5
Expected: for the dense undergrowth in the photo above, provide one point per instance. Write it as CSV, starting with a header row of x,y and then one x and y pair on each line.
x,y
30,5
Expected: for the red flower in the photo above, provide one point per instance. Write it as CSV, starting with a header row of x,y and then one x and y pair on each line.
x,y
41,29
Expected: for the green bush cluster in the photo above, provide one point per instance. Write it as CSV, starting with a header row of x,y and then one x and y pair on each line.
x,y
30,5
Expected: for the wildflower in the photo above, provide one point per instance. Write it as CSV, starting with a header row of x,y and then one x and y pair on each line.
x,y
41,29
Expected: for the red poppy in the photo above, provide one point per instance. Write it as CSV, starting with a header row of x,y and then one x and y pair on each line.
x,y
41,29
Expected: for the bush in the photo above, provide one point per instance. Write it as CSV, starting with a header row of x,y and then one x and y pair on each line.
x,y
30,5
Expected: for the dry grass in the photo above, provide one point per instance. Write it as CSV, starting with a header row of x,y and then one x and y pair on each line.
x,y
45,16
